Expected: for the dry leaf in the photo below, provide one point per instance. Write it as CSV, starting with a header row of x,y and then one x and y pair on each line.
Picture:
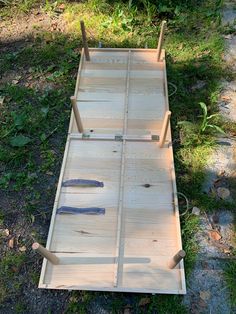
x,y
144,301
4,232
14,82
205,295
215,235
11,243
62,6
22,248
227,98
2,100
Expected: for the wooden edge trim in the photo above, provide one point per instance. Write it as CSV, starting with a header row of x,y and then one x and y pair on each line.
x,y
78,73
161,39
53,216
173,176
123,49
111,289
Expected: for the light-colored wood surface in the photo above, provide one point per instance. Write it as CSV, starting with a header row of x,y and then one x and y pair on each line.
x,y
130,246
102,92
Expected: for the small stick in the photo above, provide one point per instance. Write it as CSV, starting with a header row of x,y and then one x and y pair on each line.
x,y
77,115
160,41
84,39
45,253
164,128
176,259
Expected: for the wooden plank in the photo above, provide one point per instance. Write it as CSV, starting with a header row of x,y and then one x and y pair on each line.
x,y
88,200
79,72
166,280
120,223
93,245
150,247
146,86
101,110
121,73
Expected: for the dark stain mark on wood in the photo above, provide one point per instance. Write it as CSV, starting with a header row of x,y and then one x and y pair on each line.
x,y
82,232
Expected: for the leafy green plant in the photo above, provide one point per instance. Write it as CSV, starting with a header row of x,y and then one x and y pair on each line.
x,y
19,141
193,133
119,21
205,125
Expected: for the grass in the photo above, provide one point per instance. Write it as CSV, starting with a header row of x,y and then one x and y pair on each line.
x,y
230,273
10,270
36,110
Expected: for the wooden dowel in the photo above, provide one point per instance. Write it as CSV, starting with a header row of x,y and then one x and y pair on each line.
x,y
160,41
164,128
84,39
45,253
176,259
77,115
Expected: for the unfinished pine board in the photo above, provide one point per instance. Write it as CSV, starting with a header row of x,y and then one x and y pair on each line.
x,y
128,248
102,91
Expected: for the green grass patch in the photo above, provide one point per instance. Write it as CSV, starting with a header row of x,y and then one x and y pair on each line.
x,y
10,269
230,275
34,119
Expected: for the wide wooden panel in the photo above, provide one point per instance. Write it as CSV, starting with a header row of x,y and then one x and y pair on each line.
x,y
128,246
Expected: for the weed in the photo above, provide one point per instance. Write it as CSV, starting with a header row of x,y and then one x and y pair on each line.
x,y
194,46
193,132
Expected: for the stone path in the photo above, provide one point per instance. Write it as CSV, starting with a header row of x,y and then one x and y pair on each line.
x,y
207,291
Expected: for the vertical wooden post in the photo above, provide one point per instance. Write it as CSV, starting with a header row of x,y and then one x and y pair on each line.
x,y
160,41
84,39
77,115
176,259
45,253
164,128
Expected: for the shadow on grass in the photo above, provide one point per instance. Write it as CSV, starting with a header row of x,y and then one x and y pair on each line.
x,y
30,172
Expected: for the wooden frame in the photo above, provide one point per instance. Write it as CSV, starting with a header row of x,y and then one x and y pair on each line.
x,y
130,247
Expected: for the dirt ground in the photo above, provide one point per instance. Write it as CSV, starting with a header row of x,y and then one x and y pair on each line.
x,y
206,287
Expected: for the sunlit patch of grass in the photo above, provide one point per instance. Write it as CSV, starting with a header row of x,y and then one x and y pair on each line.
x,y
194,48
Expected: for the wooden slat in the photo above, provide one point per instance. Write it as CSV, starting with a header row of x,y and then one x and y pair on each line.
x,y
120,222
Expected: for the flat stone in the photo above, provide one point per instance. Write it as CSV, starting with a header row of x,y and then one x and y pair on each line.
x,y
205,295
223,193
196,211
229,16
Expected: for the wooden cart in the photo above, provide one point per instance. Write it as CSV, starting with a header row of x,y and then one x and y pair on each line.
x,y
119,136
